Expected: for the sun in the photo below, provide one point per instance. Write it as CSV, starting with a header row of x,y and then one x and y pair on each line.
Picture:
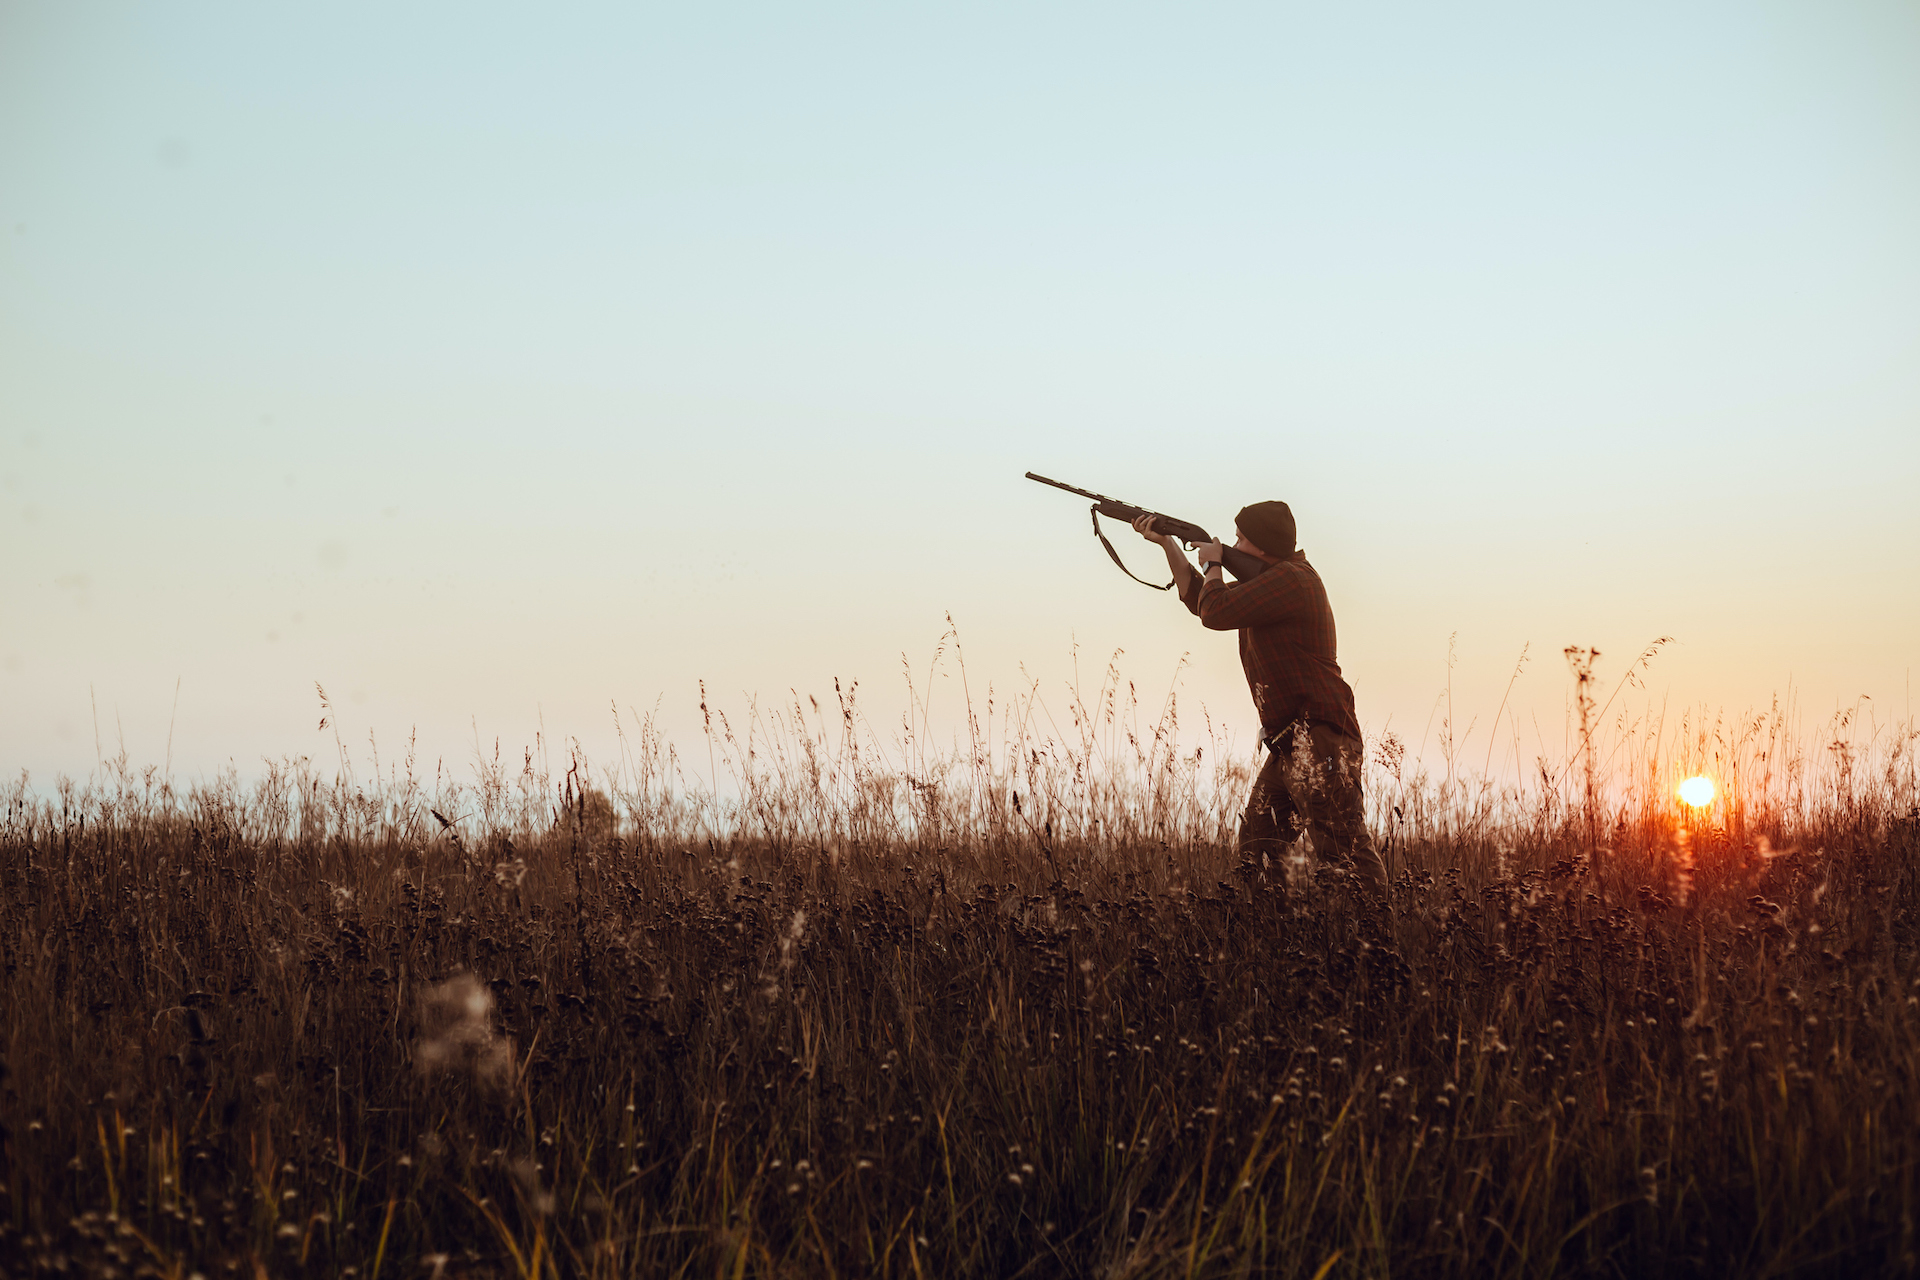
x,y
1698,791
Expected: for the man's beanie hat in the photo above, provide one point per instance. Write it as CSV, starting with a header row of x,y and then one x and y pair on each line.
x,y
1269,526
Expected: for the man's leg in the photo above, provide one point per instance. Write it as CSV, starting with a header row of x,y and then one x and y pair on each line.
x,y
1270,825
1325,782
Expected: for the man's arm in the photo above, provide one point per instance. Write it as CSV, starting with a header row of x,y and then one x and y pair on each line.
x,y
1183,573
1273,597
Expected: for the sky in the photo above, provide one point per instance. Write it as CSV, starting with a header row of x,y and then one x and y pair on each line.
x,y
494,368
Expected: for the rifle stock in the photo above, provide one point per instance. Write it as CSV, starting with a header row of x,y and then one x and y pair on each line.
x,y
1241,565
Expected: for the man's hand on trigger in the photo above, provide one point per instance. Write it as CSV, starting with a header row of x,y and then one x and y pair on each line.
x,y
1143,525
1209,553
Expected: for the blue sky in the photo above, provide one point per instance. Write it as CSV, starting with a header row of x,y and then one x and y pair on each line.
x,y
493,367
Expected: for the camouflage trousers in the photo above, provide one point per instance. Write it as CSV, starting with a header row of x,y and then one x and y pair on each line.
x,y
1310,784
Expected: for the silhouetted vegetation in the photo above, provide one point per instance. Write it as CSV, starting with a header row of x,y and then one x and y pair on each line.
x,y
1010,1009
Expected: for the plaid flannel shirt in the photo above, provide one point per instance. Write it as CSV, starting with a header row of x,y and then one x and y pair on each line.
x,y
1286,643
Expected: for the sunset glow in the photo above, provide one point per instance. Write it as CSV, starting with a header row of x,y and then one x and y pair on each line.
x,y
1698,791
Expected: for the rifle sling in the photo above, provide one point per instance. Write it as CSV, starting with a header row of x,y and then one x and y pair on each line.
x,y
1115,555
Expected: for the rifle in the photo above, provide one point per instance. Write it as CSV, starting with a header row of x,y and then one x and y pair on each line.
x,y
1237,562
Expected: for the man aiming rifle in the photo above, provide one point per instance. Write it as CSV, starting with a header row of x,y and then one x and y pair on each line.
x,y
1311,779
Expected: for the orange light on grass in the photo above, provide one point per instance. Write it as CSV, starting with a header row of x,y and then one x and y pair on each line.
x,y
1698,791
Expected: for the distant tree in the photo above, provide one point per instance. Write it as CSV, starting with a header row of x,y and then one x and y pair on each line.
x,y
599,820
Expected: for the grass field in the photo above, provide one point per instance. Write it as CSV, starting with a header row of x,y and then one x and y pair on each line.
x,y
1012,1007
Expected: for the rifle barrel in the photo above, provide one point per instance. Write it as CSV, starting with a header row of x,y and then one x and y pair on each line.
x,y
1085,493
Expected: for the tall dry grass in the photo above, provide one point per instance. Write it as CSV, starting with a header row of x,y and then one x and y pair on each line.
x,y
836,999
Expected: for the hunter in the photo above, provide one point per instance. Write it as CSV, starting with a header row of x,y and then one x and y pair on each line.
x,y
1311,779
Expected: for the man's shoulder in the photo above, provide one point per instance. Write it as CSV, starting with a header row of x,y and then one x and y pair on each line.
x,y
1303,567
1289,590
1290,572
